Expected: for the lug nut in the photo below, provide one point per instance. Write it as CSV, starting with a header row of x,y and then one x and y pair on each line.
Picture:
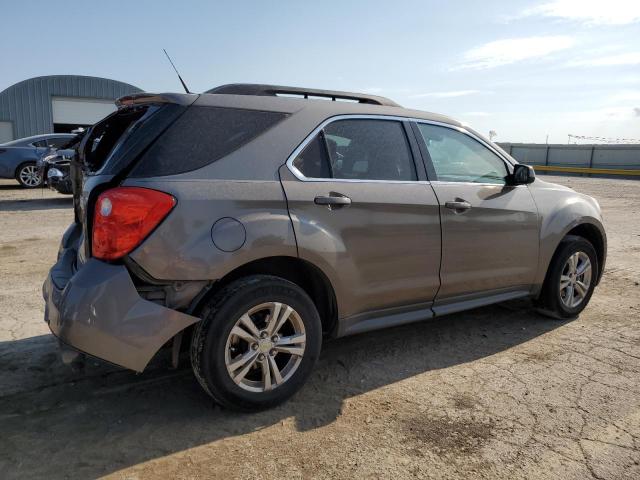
x,y
254,346
272,352
264,334
261,356
275,338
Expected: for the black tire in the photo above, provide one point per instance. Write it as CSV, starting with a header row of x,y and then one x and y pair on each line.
x,y
21,175
550,301
220,314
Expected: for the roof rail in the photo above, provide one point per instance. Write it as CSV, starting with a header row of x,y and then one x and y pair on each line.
x,y
276,90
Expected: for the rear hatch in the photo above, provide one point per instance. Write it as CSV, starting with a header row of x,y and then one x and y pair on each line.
x,y
109,151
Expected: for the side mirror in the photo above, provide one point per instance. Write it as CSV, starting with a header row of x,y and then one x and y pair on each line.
x,y
522,174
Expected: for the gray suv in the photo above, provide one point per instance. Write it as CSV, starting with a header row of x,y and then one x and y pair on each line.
x,y
249,223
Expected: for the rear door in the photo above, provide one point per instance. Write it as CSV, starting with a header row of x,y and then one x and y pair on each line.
x,y
365,215
489,229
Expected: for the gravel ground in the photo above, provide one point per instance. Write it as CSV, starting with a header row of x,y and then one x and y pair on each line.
x,y
498,392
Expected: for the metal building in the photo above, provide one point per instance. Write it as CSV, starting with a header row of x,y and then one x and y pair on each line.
x,y
57,104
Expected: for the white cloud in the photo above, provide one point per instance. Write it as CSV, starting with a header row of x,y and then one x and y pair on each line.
x,y
455,93
476,114
601,115
626,96
630,58
591,12
512,50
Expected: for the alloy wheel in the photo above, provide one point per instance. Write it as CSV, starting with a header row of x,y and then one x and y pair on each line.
x,y
575,279
30,176
265,347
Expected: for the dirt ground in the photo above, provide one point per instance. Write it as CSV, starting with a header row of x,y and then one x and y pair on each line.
x,y
498,392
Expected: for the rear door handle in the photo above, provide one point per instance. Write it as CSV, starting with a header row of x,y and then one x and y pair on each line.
x,y
333,200
458,205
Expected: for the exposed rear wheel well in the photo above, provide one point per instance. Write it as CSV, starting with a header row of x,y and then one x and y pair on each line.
x,y
302,273
592,234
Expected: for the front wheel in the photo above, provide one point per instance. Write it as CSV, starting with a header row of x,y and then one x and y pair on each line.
x,y
571,278
28,175
257,342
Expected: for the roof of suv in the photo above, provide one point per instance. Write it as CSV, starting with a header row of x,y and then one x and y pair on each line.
x,y
290,100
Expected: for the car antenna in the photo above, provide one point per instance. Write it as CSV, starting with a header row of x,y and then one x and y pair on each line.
x,y
184,85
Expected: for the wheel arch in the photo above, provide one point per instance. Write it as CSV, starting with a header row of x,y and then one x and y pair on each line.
x,y
22,163
590,232
589,229
301,272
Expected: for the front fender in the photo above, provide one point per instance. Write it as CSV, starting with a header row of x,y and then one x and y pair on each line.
x,y
561,211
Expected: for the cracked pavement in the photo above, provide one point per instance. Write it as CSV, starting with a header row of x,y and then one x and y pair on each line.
x,y
498,392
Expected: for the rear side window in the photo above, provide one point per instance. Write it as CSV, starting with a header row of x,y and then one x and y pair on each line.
x,y
201,136
359,149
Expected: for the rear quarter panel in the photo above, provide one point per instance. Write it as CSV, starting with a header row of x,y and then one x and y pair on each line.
x,y
182,248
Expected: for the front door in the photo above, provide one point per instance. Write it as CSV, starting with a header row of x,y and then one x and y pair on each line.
x,y
489,229
365,215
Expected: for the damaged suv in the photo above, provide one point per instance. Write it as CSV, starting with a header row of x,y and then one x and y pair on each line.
x,y
253,221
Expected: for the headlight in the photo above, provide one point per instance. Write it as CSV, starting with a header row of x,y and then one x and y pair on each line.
x,y
55,173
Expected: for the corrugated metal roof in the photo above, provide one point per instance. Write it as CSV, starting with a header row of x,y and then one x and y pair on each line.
x,y
27,104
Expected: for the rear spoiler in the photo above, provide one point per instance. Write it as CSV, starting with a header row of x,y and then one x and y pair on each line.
x,y
144,98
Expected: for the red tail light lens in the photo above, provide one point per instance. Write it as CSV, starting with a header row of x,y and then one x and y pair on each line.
x,y
124,216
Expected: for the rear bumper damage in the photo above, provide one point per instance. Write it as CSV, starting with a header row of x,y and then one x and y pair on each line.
x,y
98,311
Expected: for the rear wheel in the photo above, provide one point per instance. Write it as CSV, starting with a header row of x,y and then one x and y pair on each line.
x,y
571,278
28,175
257,342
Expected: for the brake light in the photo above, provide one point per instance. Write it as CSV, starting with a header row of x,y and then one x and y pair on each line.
x,y
124,216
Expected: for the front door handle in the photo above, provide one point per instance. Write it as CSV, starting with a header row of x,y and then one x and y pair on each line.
x,y
333,200
458,206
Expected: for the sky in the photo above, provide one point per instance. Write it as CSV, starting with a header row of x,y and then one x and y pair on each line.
x,y
524,69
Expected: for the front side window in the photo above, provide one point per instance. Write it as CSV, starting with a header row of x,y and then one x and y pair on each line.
x,y
359,149
457,157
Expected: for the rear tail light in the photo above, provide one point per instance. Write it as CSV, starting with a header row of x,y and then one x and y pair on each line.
x,y
124,216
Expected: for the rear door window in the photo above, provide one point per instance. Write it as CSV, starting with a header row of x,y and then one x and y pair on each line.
x,y
313,162
359,149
